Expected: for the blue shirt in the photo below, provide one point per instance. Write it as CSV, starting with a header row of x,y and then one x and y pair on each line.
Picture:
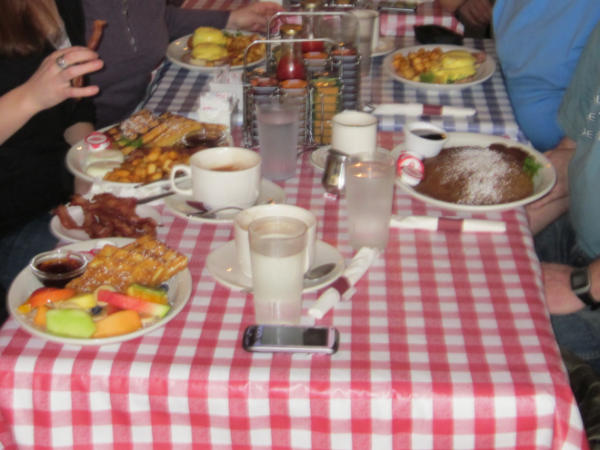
x,y
538,44
579,115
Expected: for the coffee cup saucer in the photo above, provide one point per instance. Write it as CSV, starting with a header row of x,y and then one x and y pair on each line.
x,y
223,265
318,157
179,206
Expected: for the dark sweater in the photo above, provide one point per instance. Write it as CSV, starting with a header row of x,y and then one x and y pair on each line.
x,y
33,177
133,44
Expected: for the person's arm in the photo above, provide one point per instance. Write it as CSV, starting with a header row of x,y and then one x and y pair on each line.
x,y
253,17
47,87
560,299
544,211
473,13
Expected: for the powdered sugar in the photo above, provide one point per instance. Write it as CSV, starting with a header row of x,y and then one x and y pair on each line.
x,y
484,171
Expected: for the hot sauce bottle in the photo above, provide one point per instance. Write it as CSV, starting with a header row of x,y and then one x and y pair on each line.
x,y
291,63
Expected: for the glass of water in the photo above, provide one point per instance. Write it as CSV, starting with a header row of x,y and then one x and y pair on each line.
x,y
277,253
369,195
278,129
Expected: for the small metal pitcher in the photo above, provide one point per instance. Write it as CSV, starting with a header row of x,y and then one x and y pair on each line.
x,y
334,175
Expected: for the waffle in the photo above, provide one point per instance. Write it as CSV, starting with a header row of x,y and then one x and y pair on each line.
x,y
145,261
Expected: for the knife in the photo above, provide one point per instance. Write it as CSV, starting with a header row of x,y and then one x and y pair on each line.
x,y
420,109
141,201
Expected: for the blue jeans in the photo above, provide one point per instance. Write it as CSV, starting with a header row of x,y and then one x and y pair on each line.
x,y
17,247
578,332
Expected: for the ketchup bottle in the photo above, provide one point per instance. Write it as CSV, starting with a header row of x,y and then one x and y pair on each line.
x,y
309,28
291,63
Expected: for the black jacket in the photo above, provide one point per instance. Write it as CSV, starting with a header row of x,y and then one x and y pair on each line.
x,y
33,175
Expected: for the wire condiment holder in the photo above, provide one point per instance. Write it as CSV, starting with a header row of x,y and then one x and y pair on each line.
x,y
332,83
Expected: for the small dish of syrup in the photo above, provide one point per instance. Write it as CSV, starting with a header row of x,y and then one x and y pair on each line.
x,y
56,268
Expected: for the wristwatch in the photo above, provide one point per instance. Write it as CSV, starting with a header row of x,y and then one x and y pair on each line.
x,y
581,285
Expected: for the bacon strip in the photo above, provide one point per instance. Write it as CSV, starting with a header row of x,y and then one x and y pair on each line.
x,y
94,40
92,44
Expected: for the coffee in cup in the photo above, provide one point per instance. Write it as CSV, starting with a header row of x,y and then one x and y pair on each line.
x,y
221,176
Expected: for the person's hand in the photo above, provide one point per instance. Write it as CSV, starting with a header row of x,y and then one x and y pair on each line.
x,y
476,13
556,202
51,83
252,17
560,299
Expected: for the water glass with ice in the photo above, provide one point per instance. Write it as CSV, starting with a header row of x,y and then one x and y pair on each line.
x,y
277,254
278,128
369,194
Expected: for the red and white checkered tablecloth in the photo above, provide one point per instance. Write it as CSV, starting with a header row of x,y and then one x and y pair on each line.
x,y
445,344
391,24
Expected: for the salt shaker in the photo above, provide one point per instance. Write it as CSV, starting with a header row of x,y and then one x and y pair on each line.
x,y
333,178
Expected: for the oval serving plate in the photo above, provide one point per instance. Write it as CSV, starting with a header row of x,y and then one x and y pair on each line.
x,y
178,49
76,212
484,71
543,181
180,289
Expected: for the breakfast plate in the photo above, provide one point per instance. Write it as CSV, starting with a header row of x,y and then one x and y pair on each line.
x,y
223,266
543,180
318,157
180,205
178,50
76,212
485,70
180,289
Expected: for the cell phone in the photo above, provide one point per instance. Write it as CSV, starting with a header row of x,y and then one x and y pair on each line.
x,y
291,339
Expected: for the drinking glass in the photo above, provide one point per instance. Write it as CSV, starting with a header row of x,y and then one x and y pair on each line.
x,y
369,194
277,253
278,128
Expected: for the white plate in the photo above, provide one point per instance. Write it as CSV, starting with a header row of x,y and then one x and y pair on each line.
x,y
318,157
76,162
178,204
384,46
178,48
543,181
180,289
484,71
223,266
76,212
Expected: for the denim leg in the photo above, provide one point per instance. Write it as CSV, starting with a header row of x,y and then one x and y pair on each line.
x,y
579,333
553,243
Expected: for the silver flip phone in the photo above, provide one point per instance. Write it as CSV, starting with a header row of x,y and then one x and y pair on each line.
x,y
289,338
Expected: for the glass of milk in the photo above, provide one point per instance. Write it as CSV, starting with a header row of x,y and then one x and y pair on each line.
x,y
277,252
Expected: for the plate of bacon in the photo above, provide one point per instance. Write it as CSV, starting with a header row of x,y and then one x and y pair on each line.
x,y
104,216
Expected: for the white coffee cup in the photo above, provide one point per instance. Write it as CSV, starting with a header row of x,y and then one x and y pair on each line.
x,y
221,176
423,139
354,132
242,222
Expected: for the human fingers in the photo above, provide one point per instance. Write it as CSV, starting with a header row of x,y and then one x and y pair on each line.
x,y
74,56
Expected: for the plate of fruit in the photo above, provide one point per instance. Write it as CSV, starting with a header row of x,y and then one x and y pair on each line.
x,y
129,287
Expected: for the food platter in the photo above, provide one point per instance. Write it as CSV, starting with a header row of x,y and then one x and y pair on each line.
x,y
76,212
543,181
178,49
484,71
180,289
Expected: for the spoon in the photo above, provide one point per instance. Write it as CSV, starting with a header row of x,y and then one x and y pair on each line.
x,y
319,271
212,213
